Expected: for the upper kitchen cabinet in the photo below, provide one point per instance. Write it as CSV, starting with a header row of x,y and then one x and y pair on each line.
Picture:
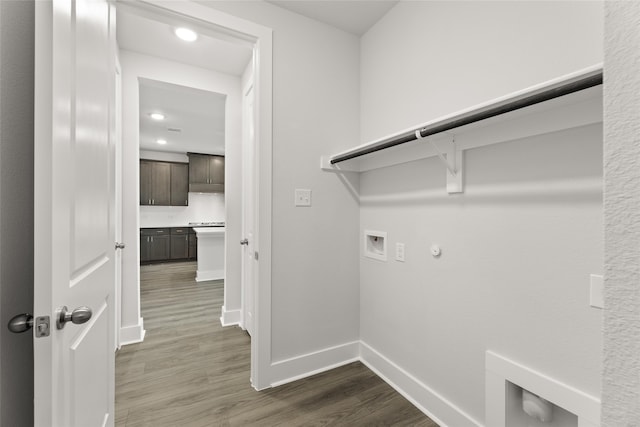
x,y
179,184
155,183
206,173
163,183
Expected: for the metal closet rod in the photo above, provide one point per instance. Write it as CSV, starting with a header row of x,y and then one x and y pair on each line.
x,y
472,117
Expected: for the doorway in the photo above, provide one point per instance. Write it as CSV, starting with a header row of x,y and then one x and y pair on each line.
x,y
137,67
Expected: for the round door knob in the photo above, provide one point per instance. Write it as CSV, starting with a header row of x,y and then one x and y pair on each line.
x,y
78,316
20,323
244,242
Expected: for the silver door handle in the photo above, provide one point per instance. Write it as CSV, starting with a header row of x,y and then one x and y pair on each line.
x,y
78,316
24,322
120,245
244,242
20,323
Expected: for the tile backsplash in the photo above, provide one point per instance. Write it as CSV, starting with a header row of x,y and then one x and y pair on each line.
x,y
202,207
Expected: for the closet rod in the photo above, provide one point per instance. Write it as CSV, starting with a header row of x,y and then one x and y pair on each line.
x,y
476,116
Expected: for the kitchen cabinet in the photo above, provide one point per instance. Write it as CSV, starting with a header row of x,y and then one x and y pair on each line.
x,y
164,183
179,184
180,243
155,183
193,244
206,173
155,244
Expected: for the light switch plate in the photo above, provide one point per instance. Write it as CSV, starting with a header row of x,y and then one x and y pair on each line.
x,y
596,293
303,197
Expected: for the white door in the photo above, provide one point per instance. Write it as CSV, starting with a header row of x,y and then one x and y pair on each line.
x,y
248,204
74,215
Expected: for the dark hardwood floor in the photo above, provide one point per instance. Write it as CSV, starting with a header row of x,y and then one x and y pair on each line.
x,y
189,371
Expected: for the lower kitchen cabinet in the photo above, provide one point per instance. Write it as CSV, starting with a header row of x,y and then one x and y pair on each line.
x,y
155,244
193,244
179,243
165,244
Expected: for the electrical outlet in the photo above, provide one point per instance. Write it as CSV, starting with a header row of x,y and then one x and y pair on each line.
x,y
400,252
303,197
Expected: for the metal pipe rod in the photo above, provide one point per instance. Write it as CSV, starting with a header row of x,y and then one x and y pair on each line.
x,y
472,117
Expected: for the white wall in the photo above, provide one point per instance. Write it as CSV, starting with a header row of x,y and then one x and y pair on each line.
x,y
314,250
16,208
425,59
621,376
514,272
135,66
202,207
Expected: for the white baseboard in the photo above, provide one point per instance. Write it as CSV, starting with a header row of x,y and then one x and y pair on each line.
x,y
202,276
132,334
435,406
306,365
230,317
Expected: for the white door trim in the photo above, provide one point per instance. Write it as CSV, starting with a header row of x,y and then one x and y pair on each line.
x,y
263,78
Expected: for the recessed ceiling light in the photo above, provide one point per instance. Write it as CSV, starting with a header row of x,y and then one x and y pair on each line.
x,y
186,34
157,116
162,141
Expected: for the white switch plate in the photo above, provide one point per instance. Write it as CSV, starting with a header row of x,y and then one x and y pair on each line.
x,y
596,294
400,252
303,197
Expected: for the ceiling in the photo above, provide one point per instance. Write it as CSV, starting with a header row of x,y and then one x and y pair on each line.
x,y
152,34
353,16
199,115
194,118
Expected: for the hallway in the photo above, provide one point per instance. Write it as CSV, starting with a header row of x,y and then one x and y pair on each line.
x,y
189,371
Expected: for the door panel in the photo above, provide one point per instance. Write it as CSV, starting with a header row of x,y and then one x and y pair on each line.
x,y
145,183
216,169
161,184
179,184
198,169
74,214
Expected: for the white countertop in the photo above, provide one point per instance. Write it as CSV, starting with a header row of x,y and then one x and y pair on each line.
x,y
201,231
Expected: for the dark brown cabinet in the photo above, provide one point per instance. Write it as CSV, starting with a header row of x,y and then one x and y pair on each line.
x,y
193,245
179,184
206,173
179,243
155,183
155,244
164,183
164,244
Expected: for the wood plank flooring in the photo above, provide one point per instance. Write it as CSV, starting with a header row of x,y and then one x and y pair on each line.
x,y
189,371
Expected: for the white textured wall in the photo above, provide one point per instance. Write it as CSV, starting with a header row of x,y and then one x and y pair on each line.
x,y
518,246
134,66
621,376
315,112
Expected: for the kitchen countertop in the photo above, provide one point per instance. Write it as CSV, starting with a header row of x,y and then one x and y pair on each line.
x,y
209,230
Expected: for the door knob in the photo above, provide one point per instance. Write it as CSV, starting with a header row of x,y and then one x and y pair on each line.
x,y
78,316
20,323
244,242
24,322
120,245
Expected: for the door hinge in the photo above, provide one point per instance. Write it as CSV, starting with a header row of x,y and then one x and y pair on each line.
x,y
255,255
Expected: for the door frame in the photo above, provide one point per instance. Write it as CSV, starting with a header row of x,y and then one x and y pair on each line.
x,y
262,39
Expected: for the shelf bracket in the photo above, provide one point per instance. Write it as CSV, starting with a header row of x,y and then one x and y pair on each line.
x,y
452,160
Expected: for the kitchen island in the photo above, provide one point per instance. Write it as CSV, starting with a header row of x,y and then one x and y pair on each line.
x,y
210,253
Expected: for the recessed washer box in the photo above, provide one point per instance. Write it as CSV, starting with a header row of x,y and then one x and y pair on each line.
x,y
375,244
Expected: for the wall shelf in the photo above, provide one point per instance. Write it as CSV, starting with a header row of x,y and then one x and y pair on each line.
x,y
573,100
